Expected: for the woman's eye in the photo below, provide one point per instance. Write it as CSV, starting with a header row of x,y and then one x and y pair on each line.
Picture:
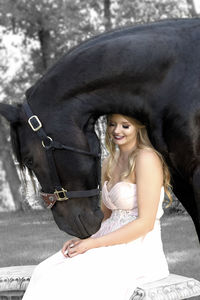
x,y
126,126
111,124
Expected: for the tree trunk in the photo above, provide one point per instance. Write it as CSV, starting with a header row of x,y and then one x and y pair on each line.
x,y
46,46
44,37
107,15
10,168
191,8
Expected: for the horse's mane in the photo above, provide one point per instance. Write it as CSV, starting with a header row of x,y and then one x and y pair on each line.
x,y
17,153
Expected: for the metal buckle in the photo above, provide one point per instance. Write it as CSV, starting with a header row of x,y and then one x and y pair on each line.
x,y
59,193
37,120
43,144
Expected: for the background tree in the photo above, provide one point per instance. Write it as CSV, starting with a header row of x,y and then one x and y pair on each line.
x,y
192,8
10,168
107,15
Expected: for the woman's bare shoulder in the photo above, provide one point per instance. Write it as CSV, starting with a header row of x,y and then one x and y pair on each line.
x,y
148,154
147,159
148,163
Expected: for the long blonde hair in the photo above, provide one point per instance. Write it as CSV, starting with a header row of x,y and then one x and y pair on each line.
x,y
143,142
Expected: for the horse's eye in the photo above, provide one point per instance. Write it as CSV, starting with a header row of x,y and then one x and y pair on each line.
x,y
28,163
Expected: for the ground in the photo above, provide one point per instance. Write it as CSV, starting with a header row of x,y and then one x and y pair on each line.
x,y
28,238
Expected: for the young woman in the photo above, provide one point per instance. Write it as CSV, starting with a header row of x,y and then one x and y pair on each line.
x,y
127,250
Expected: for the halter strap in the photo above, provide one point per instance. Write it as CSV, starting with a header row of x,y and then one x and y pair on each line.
x,y
47,141
60,194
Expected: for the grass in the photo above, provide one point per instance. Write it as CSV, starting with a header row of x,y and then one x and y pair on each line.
x,y
29,237
181,245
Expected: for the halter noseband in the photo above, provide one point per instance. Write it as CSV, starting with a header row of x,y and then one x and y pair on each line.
x,y
60,194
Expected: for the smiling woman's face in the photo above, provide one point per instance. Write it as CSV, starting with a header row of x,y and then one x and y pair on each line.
x,y
121,130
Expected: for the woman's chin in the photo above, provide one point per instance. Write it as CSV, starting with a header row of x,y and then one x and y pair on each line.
x,y
119,142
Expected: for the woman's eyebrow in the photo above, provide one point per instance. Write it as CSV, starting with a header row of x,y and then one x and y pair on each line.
x,y
123,122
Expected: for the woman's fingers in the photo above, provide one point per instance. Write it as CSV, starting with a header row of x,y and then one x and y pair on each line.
x,y
72,251
65,246
72,254
68,245
77,246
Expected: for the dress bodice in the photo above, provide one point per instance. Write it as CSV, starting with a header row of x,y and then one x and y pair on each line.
x,y
122,200
123,196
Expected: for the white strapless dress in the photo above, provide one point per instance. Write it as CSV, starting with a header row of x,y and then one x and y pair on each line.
x,y
106,273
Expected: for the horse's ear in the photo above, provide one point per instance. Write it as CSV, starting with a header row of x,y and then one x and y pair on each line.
x,y
29,92
11,113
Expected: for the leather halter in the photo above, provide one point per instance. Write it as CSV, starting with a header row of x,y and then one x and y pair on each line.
x,y
60,194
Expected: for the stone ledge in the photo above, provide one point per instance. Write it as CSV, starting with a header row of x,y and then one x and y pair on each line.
x,y
174,287
14,281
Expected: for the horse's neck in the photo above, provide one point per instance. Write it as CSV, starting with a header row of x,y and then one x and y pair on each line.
x,y
93,105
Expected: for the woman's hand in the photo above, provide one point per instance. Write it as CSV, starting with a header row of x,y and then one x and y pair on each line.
x,y
77,246
66,247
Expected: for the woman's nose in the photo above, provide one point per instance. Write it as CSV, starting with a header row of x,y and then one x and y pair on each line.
x,y
117,129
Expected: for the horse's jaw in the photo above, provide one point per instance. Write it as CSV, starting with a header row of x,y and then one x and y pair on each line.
x,y
82,223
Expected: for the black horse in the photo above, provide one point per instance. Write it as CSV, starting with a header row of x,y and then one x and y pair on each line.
x,y
150,72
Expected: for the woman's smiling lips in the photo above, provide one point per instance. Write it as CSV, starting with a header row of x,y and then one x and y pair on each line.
x,y
118,137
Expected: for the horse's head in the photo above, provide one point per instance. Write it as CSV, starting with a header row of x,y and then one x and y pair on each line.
x,y
79,215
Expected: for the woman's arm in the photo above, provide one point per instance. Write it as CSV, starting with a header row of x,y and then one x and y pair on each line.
x,y
149,179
